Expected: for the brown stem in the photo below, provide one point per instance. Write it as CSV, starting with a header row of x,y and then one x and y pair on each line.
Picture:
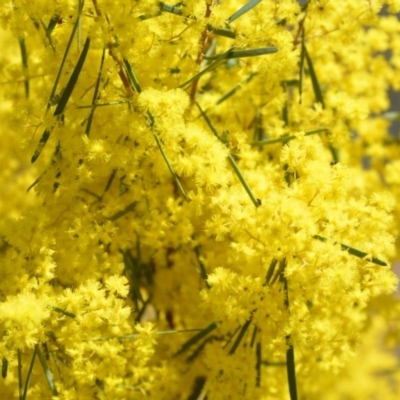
x,y
203,44
110,45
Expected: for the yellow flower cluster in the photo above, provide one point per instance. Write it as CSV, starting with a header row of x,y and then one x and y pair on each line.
x,y
199,200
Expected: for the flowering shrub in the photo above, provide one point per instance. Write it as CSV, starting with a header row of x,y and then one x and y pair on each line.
x,y
199,200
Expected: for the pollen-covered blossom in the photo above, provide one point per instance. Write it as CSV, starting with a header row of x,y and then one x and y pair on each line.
x,y
199,199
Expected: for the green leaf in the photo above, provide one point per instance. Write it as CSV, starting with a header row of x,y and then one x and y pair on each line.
x,y
24,56
123,212
258,364
290,360
186,346
314,79
203,272
61,311
52,24
288,138
270,272
235,167
242,53
208,122
240,336
132,77
170,9
110,181
247,7
4,368
28,377
73,79
136,335
256,202
95,94
355,252
171,170
233,90
69,44
63,100
47,371
302,57
218,61
198,386
223,32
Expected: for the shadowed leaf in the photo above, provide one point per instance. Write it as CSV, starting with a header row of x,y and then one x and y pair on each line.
x,y
47,371
240,336
288,138
243,10
186,346
218,61
132,76
24,56
73,79
244,53
355,252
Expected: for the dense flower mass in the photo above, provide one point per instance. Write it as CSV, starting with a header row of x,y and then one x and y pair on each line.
x,y
199,200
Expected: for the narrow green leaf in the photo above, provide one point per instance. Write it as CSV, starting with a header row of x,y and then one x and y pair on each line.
x,y
63,100
288,138
24,56
47,372
235,167
186,346
61,311
4,368
355,252
133,268
28,377
52,24
170,9
112,103
290,359
208,122
240,336
142,310
258,364
253,336
20,383
110,181
132,76
243,10
231,337
285,108
203,272
95,94
302,57
71,38
123,212
42,142
233,90
209,68
177,181
242,53
47,35
223,32
270,272
73,79
314,79
198,386
256,202
171,170
136,335
279,273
